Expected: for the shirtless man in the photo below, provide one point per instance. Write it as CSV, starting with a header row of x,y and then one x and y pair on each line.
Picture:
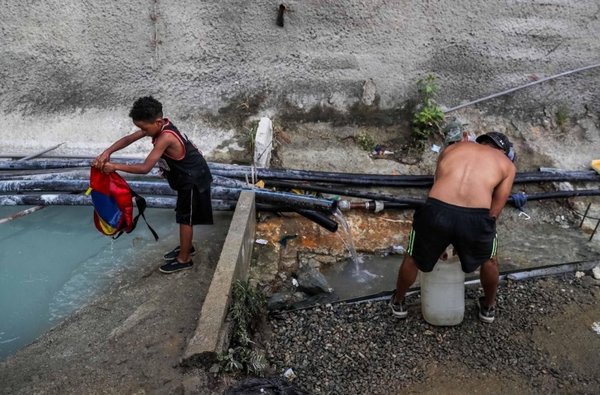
x,y
472,184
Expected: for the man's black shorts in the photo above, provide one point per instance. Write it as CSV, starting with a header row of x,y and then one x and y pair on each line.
x,y
436,225
194,207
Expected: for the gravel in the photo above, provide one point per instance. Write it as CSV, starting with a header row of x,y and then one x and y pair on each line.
x,y
362,348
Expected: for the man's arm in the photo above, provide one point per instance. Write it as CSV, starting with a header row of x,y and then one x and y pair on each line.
x,y
501,192
116,146
161,145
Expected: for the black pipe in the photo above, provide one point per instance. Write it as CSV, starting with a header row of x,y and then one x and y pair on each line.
x,y
561,194
319,218
243,172
82,200
333,190
162,188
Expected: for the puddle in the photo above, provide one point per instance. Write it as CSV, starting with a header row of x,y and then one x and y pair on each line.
x,y
527,245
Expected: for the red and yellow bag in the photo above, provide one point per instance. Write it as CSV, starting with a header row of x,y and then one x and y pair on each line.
x,y
113,204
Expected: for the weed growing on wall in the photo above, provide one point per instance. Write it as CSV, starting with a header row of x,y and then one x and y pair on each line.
x,y
428,116
365,141
250,137
247,306
561,116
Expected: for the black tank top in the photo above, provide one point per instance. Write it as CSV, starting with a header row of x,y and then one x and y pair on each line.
x,y
187,171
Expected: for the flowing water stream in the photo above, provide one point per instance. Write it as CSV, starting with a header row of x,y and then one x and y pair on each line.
x,y
360,274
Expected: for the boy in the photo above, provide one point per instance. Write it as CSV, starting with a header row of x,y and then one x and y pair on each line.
x,y
180,162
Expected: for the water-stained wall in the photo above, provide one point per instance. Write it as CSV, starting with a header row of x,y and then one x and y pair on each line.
x,y
70,69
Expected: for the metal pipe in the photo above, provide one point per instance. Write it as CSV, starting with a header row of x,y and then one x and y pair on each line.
x,y
21,213
565,73
39,153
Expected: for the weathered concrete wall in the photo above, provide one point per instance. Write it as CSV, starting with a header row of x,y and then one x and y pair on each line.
x,y
211,334
69,70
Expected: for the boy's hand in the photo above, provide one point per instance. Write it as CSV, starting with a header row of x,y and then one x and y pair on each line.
x,y
101,160
108,167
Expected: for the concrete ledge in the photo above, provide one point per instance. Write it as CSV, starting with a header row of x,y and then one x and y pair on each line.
x,y
212,333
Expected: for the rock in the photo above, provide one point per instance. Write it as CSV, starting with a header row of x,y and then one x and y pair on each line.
x,y
279,300
311,281
308,301
596,272
579,274
369,92
289,374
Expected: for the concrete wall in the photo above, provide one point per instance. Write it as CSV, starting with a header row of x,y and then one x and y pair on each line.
x,y
211,335
70,69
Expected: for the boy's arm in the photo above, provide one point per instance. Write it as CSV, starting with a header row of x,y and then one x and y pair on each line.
x,y
161,145
116,146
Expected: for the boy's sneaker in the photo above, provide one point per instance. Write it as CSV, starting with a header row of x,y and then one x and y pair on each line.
x,y
175,251
486,314
398,309
174,265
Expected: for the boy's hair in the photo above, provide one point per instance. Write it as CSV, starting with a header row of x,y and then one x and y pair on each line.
x,y
146,109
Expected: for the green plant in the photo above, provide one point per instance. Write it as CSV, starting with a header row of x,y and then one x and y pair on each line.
x,y
365,141
250,137
428,116
561,116
246,307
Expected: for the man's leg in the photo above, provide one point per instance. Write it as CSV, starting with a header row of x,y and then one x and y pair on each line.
x,y
407,275
186,234
489,276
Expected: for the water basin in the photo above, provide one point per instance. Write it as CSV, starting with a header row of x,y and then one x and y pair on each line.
x,y
54,261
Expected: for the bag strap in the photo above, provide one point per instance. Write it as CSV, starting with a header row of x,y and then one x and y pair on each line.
x,y
140,202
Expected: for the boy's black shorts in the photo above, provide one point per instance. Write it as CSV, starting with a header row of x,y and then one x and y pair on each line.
x,y
194,206
471,231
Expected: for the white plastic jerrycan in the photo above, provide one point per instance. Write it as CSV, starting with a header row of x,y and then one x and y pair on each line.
x,y
443,293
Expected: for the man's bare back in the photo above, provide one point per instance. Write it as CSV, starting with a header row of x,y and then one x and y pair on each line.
x,y
473,175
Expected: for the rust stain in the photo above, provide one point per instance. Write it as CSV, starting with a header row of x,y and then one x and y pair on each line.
x,y
370,232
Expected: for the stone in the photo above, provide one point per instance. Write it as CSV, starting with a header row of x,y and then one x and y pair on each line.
x,y
279,300
596,272
311,281
369,92
263,143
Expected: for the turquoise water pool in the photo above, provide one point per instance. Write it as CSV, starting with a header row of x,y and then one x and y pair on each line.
x,y
53,261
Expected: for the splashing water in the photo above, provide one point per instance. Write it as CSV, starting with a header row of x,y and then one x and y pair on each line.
x,y
361,275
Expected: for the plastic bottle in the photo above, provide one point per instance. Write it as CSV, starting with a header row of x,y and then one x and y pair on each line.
x,y
443,293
